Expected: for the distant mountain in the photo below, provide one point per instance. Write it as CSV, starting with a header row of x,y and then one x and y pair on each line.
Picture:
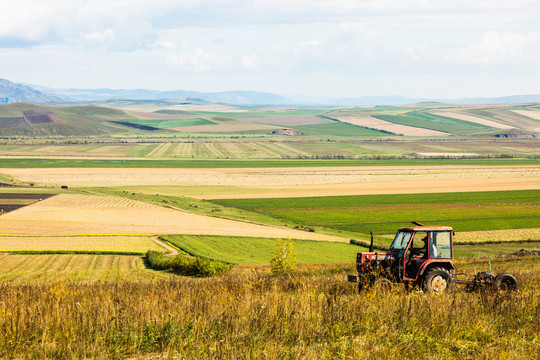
x,y
246,98
360,101
514,99
11,92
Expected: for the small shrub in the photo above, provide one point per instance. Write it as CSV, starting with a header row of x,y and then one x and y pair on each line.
x,y
283,259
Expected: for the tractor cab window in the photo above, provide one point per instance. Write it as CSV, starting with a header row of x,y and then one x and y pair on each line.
x,y
440,245
401,240
418,246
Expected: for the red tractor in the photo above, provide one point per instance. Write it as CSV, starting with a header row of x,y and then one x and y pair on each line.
x,y
422,256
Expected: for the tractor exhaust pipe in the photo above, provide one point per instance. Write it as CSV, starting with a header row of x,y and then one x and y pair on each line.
x,y
371,243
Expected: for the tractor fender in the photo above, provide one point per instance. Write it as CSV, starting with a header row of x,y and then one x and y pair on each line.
x,y
442,263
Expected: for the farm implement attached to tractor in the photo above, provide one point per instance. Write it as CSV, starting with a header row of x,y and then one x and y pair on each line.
x,y
422,257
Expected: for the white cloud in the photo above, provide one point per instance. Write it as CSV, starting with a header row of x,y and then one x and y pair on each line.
x,y
100,36
495,47
311,43
249,62
167,44
198,61
238,41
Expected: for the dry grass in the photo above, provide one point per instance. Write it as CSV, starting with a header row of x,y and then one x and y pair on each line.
x,y
91,214
315,314
99,243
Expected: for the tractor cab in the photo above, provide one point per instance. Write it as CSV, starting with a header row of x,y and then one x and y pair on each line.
x,y
419,256
417,249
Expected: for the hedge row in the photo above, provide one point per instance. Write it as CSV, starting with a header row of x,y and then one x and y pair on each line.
x,y
188,266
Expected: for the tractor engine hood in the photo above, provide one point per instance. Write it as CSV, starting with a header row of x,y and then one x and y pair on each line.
x,y
367,260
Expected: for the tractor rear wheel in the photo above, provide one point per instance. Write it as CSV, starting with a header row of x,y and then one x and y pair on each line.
x,y
505,283
438,281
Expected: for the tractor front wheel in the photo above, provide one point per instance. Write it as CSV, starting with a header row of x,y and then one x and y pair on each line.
x,y
438,281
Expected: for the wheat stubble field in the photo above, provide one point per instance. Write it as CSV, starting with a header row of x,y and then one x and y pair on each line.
x,y
296,182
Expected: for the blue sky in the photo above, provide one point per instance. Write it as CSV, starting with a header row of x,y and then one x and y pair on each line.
x,y
421,48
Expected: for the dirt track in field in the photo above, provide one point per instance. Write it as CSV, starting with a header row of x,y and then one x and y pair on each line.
x,y
172,251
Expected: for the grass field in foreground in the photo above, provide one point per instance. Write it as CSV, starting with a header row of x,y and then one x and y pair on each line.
x,y
99,243
252,250
315,314
384,214
39,269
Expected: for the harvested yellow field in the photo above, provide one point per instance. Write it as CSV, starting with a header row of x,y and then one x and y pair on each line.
x,y
498,235
84,214
473,119
374,123
295,182
375,188
109,177
27,269
105,201
100,243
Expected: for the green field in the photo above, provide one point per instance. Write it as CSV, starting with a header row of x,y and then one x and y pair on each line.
x,y
435,122
383,214
170,123
338,129
251,250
